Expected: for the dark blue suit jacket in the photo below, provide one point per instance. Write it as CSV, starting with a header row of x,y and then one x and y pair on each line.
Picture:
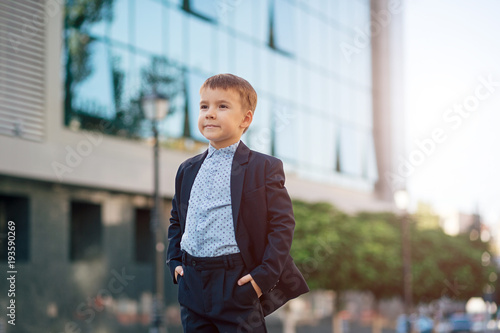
x,y
263,223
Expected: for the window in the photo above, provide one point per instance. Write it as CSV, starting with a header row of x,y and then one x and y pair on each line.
x,y
281,27
351,151
143,236
107,70
85,231
148,20
194,83
206,10
15,209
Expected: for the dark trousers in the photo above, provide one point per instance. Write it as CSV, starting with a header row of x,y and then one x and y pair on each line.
x,y
212,301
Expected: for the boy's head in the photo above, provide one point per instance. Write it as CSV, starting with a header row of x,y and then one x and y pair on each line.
x,y
226,109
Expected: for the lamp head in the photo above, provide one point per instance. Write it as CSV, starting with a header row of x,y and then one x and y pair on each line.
x,y
155,106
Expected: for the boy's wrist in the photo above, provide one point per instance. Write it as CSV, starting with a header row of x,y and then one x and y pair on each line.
x,y
256,287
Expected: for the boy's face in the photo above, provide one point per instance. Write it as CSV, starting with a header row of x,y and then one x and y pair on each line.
x,y
222,118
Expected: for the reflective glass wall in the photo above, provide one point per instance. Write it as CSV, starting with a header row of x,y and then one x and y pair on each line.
x,y
315,94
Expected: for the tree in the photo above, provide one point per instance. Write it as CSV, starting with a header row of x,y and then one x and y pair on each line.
x,y
446,265
378,262
339,252
322,246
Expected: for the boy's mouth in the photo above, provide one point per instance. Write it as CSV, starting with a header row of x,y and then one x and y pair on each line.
x,y
210,126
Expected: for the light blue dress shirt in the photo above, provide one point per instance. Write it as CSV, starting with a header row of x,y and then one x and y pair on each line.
x,y
209,228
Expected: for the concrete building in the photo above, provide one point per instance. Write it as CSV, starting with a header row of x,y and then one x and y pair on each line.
x,y
76,157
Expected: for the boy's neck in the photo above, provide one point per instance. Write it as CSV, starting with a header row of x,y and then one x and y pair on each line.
x,y
223,144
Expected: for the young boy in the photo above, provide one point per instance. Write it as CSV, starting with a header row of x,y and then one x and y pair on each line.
x,y
232,222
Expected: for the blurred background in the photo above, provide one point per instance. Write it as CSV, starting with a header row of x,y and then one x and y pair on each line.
x,y
383,112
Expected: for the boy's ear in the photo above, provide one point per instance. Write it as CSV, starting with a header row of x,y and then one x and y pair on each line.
x,y
247,120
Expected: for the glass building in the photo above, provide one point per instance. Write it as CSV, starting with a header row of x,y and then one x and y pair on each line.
x,y
75,152
315,98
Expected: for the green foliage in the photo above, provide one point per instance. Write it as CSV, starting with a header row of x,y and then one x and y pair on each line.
x,y
320,250
363,252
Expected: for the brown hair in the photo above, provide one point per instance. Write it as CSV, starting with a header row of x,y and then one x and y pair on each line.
x,y
229,81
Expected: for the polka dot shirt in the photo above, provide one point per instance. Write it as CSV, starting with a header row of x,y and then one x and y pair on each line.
x,y
209,228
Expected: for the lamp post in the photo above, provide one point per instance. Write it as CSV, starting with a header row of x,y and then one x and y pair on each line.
x,y
402,201
155,107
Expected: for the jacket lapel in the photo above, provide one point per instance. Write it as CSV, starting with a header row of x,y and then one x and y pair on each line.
x,y
187,183
239,167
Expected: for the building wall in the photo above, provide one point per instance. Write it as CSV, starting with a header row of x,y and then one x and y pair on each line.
x,y
53,290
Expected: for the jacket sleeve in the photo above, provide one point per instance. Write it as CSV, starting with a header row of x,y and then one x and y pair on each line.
x,y
281,225
174,254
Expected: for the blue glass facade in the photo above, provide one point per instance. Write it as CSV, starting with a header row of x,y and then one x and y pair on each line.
x,y
315,104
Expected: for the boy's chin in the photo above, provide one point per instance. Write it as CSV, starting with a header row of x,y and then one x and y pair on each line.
x,y
211,138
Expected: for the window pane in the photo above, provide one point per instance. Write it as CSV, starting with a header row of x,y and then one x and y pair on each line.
x,y
259,132
177,3
284,26
346,101
333,93
201,41
302,132
333,11
351,151
86,230
205,8
223,52
349,56
261,23
15,209
316,5
285,129
333,52
120,23
93,93
303,35
319,154
267,69
194,83
98,29
318,35
148,25
120,71
242,12
372,170
143,236
245,61
361,13
173,125
304,85
346,13
318,90
176,34
362,109
284,77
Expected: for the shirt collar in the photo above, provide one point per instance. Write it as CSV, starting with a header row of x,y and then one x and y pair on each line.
x,y
229,150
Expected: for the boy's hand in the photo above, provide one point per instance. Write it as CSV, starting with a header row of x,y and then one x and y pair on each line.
x,y
178,270
248,278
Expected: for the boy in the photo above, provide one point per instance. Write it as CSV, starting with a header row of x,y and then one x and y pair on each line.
x,y
232,222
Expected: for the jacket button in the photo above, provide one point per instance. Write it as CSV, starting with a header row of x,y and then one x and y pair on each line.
x,y
193,263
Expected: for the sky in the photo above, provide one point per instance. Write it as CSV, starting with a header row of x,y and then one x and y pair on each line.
x,y
451,47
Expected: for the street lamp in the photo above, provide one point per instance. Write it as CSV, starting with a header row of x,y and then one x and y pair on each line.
x,y
155,107
402,201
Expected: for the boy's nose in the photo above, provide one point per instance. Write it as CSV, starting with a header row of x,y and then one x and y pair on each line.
x,y
210,113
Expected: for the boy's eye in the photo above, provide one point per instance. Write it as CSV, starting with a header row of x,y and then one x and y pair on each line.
x,y
223,106
203,107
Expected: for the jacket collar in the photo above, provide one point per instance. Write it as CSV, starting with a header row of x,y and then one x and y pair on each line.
x,y
238,170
